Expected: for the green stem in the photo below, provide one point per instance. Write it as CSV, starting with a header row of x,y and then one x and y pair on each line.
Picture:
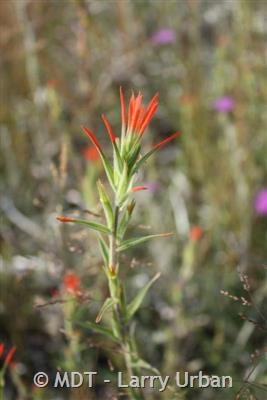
x,y
119,310
2,384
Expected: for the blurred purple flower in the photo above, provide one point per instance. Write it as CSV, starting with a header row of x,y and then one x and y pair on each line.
x,y
152,186
163,36
261,202
224,104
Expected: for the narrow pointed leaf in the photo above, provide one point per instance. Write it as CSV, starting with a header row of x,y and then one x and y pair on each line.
x,y
143,159
117,157
92,225
123,184
155,148
99,329
104,249
145,365
137,301
108,169
133,155
125,219
106,163
127,244
105,201
108,304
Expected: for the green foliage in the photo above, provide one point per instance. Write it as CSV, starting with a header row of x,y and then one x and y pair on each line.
x,y
129,243
134,305
103,330
108,304
92,225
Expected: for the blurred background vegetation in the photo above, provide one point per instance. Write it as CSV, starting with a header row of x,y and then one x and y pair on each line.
x,y
62,63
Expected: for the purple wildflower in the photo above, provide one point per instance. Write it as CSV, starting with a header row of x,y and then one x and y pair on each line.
x,y
261,202
224,104
153,186
163,36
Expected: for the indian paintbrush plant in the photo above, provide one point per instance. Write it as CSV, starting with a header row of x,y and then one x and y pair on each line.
x,y
118,205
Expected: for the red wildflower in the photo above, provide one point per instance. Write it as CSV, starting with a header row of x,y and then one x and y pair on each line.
x,y
2,348
90,153
133,125
72,283
196,233
138,116
9,356
62,218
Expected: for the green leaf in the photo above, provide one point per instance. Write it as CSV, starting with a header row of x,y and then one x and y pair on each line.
x,y
143,159
104,249
108,170
137,301
92,225
145,365
99,329
125,219
127,244
132,156
105,201
123,184
117,157
108,303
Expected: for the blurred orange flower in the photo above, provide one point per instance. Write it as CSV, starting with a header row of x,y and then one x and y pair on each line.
x,y
90,153
196,233
72,283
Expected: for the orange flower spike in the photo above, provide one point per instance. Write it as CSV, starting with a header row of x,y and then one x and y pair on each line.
x,y
130,111
140,118
138,104
109,129
92,138
123,110
65,219
2,348
153,101
139,188
9,356
150,111
165,141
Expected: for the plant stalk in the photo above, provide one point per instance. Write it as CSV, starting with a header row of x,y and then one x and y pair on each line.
x,y
119,308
